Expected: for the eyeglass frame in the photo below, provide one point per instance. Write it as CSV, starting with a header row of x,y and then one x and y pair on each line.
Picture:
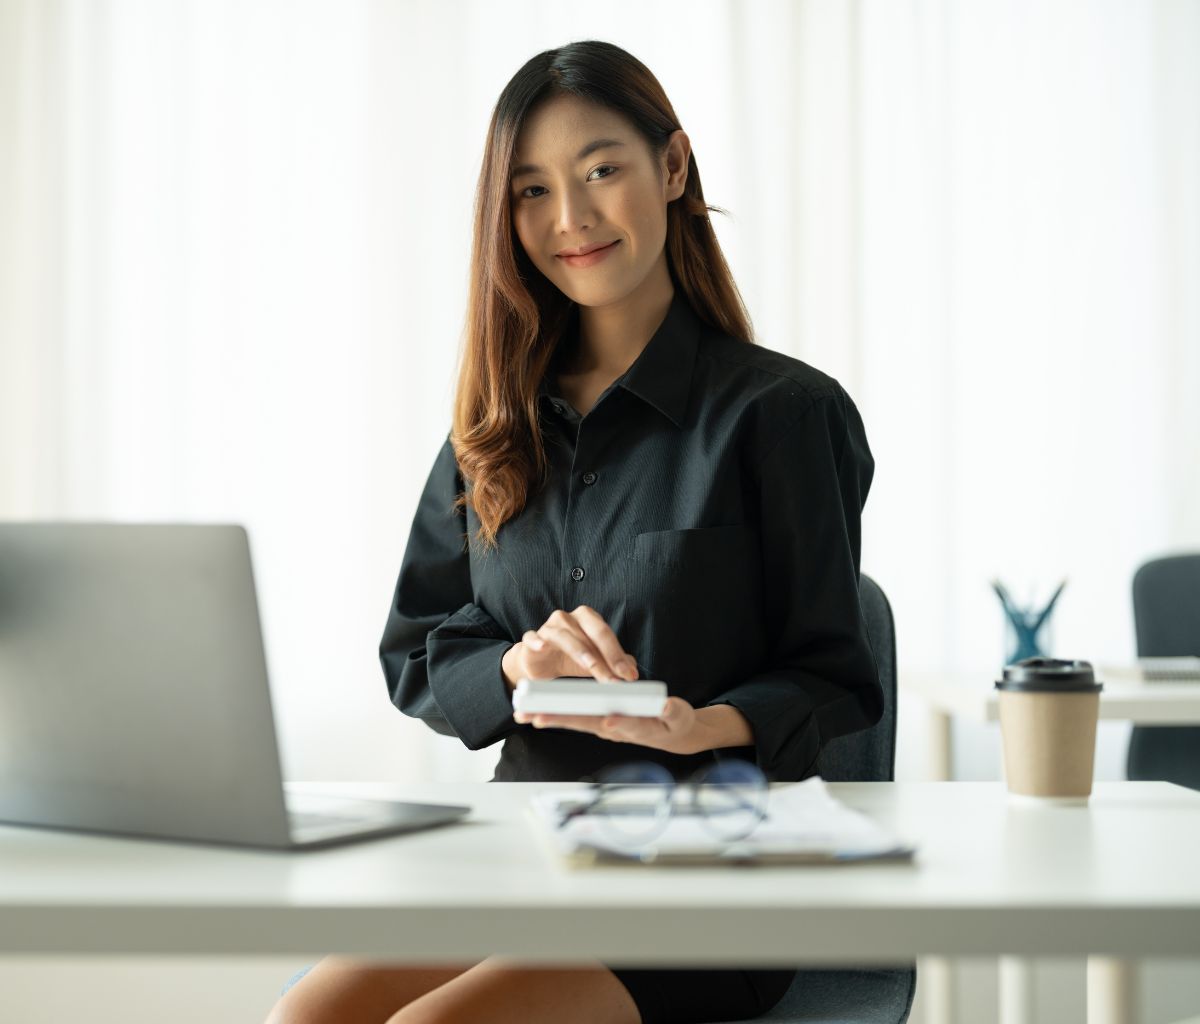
x,y
694,785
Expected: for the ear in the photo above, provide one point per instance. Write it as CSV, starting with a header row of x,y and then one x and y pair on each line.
x,y
675,163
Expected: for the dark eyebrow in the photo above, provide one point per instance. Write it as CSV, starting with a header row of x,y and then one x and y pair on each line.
x,y
587,150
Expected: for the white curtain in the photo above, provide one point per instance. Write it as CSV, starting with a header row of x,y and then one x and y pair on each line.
x,y
233,244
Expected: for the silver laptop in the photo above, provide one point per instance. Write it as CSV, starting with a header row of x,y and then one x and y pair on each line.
x,y
134,697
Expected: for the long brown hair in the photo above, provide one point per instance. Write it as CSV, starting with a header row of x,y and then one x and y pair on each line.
x,y
516,316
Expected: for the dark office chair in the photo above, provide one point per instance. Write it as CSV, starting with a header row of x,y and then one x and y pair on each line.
x,y
858,995
855,995
1166,615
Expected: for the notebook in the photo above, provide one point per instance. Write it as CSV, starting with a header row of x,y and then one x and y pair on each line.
x,y
1151,670
134,696
804,824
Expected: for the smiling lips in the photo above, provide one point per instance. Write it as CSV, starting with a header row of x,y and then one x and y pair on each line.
x,y
588,254
583,250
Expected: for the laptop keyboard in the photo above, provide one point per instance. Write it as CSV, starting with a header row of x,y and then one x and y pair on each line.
x,y
309,819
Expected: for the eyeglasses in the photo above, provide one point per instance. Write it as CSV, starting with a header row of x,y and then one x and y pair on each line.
x,y
634,801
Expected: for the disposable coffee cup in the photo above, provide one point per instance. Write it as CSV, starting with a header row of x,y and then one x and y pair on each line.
x,y
1049,708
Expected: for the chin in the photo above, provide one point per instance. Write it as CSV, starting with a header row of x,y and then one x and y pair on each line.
x,y
598,292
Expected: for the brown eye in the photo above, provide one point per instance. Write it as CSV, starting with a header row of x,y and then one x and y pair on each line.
x,y
602,167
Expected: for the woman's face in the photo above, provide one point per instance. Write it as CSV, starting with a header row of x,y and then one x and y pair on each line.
x,y
615,193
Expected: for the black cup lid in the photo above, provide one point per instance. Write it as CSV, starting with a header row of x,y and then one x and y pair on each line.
x,y
1049,674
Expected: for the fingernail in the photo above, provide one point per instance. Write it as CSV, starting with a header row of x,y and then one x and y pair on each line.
x,y
630,667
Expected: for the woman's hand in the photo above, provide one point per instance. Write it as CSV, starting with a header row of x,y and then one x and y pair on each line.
x,y
674,731
578,643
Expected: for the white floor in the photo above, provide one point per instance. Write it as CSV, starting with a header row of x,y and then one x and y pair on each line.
x,y
124,991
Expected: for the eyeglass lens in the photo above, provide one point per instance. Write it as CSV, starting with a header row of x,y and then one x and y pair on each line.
x,y
731,797
635,804
637,800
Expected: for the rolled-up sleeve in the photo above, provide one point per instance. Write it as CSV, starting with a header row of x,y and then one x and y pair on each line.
x,y
821,679
441,653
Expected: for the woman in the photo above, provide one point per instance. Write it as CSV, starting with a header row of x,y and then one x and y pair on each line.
x,y
631,489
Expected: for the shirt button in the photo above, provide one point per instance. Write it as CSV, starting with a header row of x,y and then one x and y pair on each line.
x,y
558,408
577,574
589,478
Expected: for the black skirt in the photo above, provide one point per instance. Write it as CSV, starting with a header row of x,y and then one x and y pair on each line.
x,y
697,995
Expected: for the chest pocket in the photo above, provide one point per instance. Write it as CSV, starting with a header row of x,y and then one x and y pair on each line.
x,y
689,594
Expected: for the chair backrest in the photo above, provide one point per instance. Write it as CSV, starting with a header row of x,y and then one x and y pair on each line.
x,y
1166,616
1166,607
870,754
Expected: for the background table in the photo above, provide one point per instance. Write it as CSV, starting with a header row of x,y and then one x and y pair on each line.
x,y
1115,879
972,695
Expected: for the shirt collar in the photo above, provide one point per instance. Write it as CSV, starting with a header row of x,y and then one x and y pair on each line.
x,y
662,374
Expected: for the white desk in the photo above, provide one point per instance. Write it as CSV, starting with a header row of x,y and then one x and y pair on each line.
x,y
972,695
1117,879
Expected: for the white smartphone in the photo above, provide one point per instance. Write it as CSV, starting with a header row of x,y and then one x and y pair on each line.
x,y
644,698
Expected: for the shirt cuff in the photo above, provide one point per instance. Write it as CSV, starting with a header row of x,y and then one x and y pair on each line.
x,y
783,719
466,677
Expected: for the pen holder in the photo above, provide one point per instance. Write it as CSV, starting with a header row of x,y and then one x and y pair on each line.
x,y
1027,629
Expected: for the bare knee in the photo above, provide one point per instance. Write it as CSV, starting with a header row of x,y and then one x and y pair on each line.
x,y
297,1005
341,989
501,992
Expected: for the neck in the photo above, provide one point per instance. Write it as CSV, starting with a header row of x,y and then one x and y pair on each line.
x,y
611,337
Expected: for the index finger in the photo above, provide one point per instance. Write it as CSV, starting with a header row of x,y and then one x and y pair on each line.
x,y
602,635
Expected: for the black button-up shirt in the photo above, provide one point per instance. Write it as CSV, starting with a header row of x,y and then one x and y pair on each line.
x,y
708,507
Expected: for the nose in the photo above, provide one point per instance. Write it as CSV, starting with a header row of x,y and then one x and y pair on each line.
x,y
574,212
